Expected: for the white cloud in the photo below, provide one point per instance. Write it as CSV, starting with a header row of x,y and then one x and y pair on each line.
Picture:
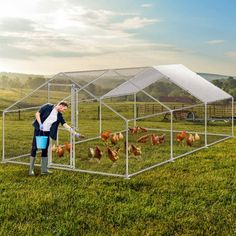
x,y
135,23
215,41
146,5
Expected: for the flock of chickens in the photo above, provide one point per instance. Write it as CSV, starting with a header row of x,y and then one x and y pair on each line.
x,y
60,150
112,143
190,138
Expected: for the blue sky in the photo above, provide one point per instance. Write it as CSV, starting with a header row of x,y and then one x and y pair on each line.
x,y
48,36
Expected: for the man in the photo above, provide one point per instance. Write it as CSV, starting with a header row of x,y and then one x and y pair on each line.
x,y
46,123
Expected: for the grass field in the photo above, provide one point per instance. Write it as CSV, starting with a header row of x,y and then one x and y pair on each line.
x,y
195,195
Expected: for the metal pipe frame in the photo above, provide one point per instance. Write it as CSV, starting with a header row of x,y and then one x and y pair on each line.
x,y
3,136
135,109
126,175
232,117
206,119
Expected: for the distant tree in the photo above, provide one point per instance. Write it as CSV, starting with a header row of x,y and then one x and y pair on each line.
x,y
218,83
33,83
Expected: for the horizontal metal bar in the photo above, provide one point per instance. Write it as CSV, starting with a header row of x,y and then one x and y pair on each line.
x,y
22,109
83,71
59,165
218,141
149,168
149,116
89,139
21,163
13,158
58,85
89,171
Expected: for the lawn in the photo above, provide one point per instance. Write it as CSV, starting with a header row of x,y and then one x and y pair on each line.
x,y
195,195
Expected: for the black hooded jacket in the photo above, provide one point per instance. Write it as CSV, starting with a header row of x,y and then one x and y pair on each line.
x,y
45,111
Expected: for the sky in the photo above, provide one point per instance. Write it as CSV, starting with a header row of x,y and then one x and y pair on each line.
x,y
50,36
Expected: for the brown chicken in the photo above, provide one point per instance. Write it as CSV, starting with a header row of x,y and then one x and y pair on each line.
x,y
190,140
113,154
120,135
54,148
98,153
105,135
60,151
162,138
142,129
181,136
136,150
155,139
134,130
114,138
143,139
67,146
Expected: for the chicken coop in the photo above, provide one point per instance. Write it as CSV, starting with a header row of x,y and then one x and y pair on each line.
x,y
127,125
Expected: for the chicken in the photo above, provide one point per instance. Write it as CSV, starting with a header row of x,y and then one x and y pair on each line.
x,y
136,150
196,137
143,139
155,139
67,146
60,151
113,154
162,138
120,135
181,136
98,153
134,130
142,129
190,140
129,147
105,135
114,138
54,148
91,152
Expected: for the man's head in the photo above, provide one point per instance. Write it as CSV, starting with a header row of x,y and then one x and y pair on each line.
x,y
62,106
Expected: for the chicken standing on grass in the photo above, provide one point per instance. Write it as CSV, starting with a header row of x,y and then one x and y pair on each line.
x,y
105,135
113,154
143,139
181,136
60,151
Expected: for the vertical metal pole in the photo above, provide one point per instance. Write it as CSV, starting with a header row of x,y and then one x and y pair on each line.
x,y
135,109
126,152
50,152
72,135
3,136
206,124
100,117
232,117
76,108
58,137
171,136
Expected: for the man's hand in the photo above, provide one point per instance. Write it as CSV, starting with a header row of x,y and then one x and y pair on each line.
x,y
78,135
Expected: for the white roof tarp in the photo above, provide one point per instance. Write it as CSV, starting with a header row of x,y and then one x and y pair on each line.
x,y
179,75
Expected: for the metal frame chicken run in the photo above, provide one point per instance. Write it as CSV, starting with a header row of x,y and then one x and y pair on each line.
x,y
122,88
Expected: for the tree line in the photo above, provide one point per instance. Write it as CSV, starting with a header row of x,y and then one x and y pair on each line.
x,y
31,83
160,88
228,85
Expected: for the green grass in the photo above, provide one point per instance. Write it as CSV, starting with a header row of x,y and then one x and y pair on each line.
x,y
195,195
